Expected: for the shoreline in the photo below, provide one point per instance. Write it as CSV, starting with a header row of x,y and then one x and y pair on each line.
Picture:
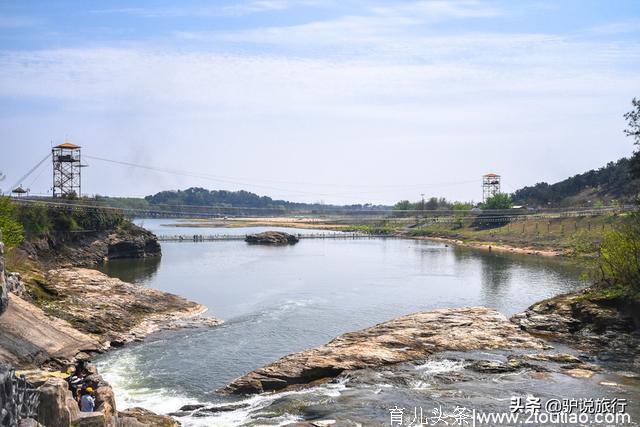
x,y
490,246
485,246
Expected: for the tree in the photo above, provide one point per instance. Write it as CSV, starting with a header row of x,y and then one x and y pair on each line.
x,y
403,205
499,201
633,130
431,204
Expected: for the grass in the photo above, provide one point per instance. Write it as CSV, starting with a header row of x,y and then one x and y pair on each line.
x,y
573,235
576,236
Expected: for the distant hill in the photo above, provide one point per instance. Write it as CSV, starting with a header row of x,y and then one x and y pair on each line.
x,y
597,186
196,196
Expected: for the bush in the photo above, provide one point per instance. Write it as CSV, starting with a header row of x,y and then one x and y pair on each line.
x,y
11,231
35,219
40,220
499,201
619,255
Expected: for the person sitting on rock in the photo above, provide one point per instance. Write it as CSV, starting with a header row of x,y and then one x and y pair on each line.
x,y
87,401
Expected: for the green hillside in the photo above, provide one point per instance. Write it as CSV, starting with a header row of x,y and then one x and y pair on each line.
x,y
605,186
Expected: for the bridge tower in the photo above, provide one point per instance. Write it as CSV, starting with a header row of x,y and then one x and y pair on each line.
x,y
66,170
490,185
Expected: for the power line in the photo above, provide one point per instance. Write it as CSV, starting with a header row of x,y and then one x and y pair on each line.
x,y
237,180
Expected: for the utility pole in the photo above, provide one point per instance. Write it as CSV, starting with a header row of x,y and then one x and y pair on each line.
x,y
422,203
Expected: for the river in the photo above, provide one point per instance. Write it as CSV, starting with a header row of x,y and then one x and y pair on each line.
x,y
278,300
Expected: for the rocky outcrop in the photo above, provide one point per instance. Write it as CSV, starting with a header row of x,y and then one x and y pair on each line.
x,y
55,406
89,249
403,339
53,410
271,238
608,327
140,244
116,311
90,312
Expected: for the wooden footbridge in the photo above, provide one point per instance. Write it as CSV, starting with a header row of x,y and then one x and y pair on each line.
x,y
227,237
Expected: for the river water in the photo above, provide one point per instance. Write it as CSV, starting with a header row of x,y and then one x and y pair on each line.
x,y
278,300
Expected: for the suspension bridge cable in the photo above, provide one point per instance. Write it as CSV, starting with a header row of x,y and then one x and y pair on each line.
x,y
236,179
30,171
228,180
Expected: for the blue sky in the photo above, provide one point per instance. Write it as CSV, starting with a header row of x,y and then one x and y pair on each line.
x,y
339,101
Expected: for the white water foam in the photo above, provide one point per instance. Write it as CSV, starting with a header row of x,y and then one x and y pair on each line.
x,y
431,367
130,391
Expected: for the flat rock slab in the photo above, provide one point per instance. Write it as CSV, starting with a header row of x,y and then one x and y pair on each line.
x,y
28,337
403,339
271,238
117,311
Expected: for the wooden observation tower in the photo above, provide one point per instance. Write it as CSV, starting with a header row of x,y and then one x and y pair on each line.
x,y
490,185
66,170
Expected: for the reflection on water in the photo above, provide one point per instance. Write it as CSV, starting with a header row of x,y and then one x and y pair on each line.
x,y
140,270
278,300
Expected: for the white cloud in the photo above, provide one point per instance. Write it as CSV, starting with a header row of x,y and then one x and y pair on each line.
x,y
240,8
620,27
379,97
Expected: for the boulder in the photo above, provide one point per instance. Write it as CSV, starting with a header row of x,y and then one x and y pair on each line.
x,y
105,401
15,285
407,338
53,410
74,409
142,244
271,238
92,419
29,422
139,417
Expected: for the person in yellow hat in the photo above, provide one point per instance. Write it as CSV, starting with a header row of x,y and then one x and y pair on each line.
x,y
87,401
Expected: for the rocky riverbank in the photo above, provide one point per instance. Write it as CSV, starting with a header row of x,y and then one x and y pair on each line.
x,y
588,321
92,248
590,326
406,338
87,312
53,315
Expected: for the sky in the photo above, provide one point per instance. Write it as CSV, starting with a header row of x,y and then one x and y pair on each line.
x,y
341,101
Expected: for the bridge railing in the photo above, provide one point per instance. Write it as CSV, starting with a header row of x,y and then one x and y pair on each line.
x,y
222,237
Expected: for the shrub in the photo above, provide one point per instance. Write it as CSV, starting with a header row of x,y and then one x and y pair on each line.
x,y
11,231
35,219
619,255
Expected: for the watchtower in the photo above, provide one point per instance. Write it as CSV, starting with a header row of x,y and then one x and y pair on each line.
x,y
490,185
66,170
